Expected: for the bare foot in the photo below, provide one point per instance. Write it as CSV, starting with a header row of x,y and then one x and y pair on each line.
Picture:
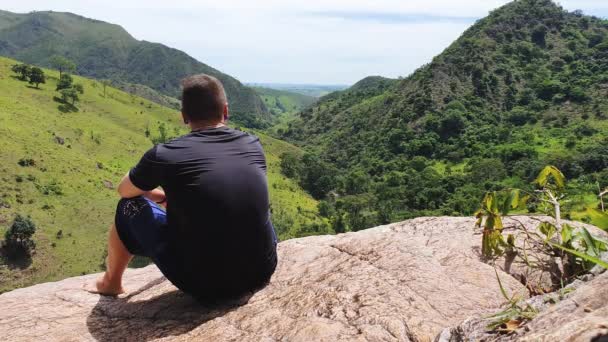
x,y
104,287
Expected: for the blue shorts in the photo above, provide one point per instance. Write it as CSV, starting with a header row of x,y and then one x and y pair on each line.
x,y
141,225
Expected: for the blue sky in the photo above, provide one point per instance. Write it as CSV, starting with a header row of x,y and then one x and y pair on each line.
x,y
297,41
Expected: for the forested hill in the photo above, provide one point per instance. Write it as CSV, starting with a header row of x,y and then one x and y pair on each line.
x,y
524,87
106,51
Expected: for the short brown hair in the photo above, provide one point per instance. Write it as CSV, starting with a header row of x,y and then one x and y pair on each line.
x,y
203,98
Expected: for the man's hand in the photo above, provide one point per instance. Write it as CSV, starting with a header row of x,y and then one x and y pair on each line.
x,y
157,195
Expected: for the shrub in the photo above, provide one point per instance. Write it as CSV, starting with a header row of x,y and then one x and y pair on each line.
x,y
290,165
26,162
19,236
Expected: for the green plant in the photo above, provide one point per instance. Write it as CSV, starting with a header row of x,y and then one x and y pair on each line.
x,y
62,64
37,76
514,315
65,82
23,70
69,95
578,249
19,236
494,206
25,162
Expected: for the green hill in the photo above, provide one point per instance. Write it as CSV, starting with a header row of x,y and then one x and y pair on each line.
x,y
72,160
106,51
283,105
313,90
281,102
524,87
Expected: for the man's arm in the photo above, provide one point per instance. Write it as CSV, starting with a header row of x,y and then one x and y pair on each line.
x,y
126,189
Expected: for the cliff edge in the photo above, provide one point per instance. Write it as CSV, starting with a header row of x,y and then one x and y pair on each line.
x,y
407,281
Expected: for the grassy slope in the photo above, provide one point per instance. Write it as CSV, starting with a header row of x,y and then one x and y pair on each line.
x,y
30,121
283,105
104,50
284,102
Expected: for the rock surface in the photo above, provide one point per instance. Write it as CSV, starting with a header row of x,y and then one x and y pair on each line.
x,y
402,282
581,316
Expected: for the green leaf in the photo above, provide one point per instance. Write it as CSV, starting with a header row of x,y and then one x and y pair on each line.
x,y
547,229
511,240
600,218
502,289
590,242
488,201
566,234
581,255
550,170
511,202
523,201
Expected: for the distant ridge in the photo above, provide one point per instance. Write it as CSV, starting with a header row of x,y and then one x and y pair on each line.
x,y
107,51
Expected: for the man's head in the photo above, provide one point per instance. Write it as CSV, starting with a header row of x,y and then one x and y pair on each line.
x,y
203,100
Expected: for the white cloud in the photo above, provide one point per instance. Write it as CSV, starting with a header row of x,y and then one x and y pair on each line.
x,y
281,41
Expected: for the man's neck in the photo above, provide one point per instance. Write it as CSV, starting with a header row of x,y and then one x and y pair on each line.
x,y
205,125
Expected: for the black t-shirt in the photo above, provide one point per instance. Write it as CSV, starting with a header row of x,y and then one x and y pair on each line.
x,y
219,238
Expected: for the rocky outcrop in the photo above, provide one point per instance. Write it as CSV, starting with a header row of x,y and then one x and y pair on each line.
x,y
403,282
580,315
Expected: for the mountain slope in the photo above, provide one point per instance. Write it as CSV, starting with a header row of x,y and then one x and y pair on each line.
x,y
281,102
78,159
283,105
523,87
106,51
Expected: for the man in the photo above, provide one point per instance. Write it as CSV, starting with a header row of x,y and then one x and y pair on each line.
x,y
215,240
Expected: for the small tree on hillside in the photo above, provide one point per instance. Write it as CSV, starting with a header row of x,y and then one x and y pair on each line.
x,y
79,88
19,235
105,83
62,64
70,95
37,76
23,70
65,82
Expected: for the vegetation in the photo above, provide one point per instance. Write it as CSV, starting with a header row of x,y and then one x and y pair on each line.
x,y
36,76
52,160
106,51
62,64
311,90
575,250
521,89
578,249
18,237
283,106
33,75
514,315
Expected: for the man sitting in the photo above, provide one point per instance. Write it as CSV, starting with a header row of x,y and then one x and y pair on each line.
x,y
215,240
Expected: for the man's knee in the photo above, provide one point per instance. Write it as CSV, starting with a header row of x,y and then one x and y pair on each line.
x,y
130,207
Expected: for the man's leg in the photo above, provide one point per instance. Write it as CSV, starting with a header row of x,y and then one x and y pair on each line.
x,y
116,263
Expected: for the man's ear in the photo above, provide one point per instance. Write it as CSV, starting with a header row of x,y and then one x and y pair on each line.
x,y
226,112
186,121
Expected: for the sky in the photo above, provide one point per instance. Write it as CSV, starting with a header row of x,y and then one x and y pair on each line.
x,y
296,41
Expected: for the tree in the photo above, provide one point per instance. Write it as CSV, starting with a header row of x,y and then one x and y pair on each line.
x,y
65,82
62,64
290,164
19,235
37,76
79,88
70,95
539,34
105,83
23,70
